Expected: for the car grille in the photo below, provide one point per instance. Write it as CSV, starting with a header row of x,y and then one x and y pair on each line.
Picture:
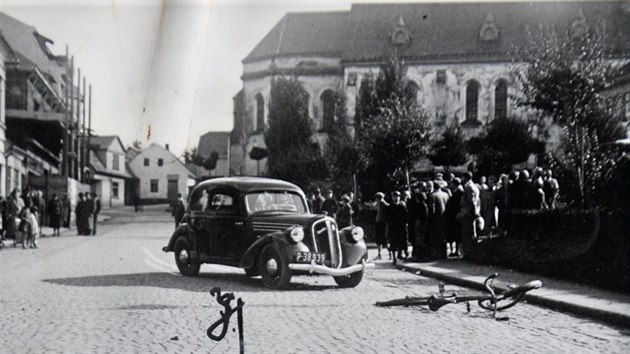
x,y
326,240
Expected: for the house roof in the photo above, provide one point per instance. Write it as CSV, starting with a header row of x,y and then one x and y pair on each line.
x,y
437,31
99,167
214,141
104,142
30,47
303,33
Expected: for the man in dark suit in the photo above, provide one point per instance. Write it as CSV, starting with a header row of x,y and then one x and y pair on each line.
x,y
437,222
179,208
97,210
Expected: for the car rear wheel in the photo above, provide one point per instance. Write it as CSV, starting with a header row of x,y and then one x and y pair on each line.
x,y
350,280
185,263
274,269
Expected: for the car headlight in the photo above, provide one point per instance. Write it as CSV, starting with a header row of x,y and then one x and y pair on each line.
x,y
357,234
297,234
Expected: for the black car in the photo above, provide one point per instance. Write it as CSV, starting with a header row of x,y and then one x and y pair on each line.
x,y
264,226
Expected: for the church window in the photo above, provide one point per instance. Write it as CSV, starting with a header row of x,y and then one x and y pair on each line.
x,y
328,109
260,113
472,101
500,100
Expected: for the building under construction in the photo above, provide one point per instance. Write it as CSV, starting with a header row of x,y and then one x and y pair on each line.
x,y
48,115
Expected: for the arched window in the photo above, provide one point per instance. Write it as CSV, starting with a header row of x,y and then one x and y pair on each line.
x,y
260,112
500,100
328,109
472,101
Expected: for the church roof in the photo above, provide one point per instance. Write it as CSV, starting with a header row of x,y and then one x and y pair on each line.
x,y
452,31
303,33
437,32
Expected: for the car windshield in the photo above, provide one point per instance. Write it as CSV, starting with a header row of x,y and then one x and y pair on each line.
x,y
274,201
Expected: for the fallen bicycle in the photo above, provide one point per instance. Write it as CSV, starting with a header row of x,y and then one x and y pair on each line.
x,y
493,301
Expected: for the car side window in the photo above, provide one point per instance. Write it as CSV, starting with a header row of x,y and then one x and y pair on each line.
x,y
221,203
199,200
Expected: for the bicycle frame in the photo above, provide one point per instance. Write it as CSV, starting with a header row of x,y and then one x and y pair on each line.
x,y
489,301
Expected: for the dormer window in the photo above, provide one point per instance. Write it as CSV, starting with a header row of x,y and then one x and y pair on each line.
x,y
401,34
489,31
579,28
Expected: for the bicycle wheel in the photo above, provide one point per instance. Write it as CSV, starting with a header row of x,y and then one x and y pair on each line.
x,y
510,297
407,301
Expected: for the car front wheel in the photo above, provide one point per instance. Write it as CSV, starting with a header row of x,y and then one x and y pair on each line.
x,y
350,280
185,263
274,268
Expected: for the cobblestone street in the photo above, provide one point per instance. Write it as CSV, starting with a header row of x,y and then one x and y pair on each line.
x,y
119,293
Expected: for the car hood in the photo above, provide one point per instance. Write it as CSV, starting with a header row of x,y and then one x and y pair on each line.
x,y
283,221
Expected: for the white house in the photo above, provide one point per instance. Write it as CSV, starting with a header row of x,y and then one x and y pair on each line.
x,y
109,173
161,175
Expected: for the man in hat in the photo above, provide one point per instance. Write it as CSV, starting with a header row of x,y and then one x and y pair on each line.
x,y
344,213
318,201
397,226
330,206
83,223
97,210
381,225
179,209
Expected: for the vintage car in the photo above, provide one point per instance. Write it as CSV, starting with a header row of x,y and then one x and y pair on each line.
x,y
264,226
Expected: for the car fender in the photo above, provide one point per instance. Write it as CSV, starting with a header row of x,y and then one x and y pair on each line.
x,y
353,252
181,230
279,238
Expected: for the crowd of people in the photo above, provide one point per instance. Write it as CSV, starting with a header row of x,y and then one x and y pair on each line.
x,y
24,214
442,217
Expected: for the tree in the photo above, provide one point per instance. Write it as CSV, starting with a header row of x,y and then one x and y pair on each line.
x,y
193,157
293,154
505,143
450,150
565,79
393,129
340,152
258,154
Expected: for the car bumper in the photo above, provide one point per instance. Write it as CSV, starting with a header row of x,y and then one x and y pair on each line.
x,y
322,269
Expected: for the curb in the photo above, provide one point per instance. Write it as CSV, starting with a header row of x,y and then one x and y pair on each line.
x,y
543,301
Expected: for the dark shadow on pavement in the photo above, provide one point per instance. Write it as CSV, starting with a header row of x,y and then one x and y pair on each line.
x,y
229,282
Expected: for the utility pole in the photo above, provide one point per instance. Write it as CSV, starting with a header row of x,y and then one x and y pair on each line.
x,y
79,146
64,154
86,148
72,155
89,132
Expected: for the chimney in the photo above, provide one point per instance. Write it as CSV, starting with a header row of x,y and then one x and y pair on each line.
x,y
166,146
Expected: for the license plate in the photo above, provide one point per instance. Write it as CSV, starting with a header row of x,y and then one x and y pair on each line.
x,y
310,256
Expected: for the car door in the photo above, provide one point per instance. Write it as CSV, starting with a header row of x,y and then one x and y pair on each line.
x,y
226,225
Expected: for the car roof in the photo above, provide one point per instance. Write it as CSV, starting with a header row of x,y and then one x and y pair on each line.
x,y
247,184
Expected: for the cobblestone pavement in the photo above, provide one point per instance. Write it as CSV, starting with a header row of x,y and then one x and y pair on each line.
x,y
119,293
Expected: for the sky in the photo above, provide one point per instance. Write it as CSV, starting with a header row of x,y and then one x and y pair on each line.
x,y
171,66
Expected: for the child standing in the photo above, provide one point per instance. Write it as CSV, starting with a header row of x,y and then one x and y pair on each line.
x,y
34,227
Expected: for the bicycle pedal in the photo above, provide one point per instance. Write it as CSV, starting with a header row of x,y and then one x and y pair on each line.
x,y
504,318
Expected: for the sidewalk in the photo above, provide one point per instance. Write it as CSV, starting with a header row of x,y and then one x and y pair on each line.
x,y
556,294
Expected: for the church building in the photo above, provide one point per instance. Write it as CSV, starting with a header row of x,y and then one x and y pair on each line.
x,y
459,55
